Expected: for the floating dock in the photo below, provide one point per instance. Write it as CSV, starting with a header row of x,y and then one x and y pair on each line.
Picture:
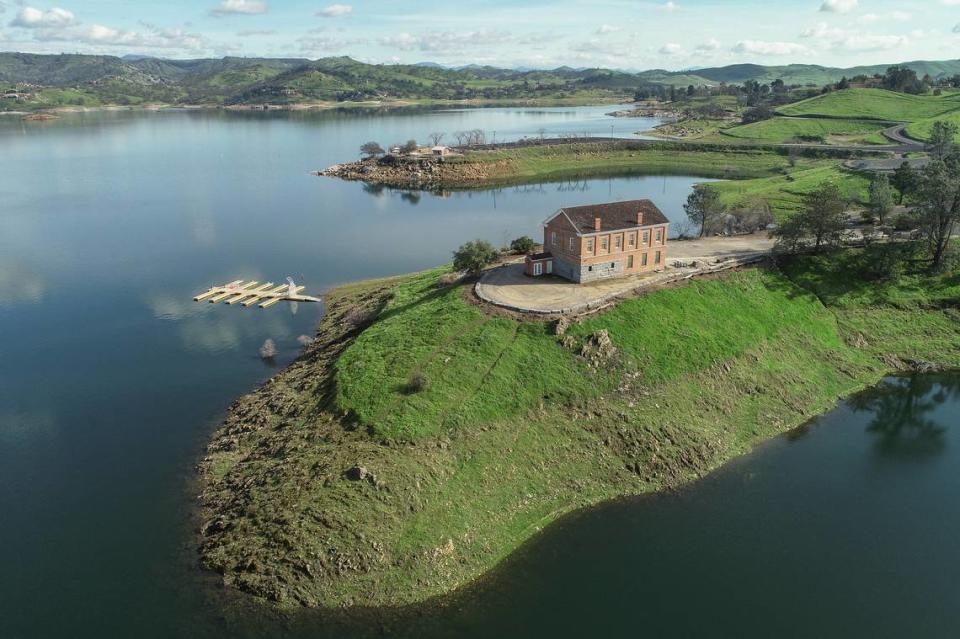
x,y
250,293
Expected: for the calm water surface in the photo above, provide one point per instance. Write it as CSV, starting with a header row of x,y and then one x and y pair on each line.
x,y
111,380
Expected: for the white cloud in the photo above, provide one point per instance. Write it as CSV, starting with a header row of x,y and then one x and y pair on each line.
x,y
669,7
608,28
893,16
239,7
3,7
446,41
256,32
327,43
839,6
950,3
335,11
865,42
710,45
762,47
150,38
30,18
823,30
671,48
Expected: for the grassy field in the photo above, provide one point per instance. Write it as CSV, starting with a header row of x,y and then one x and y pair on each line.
x,y
921,130
598,160
513,427
874,104
470,363
785,192
817,130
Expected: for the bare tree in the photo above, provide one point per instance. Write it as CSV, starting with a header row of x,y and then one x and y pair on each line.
x,y
371,149
462,138
436,137
542,133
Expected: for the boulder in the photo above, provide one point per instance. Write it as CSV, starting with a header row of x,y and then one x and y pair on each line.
x,y
357,473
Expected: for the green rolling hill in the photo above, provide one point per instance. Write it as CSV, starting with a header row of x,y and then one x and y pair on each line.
x,y
90,80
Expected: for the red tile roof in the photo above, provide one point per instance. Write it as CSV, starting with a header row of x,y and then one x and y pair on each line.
x,y
614,216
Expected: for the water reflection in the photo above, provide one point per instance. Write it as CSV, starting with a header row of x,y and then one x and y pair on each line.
x,y
903,414
20,284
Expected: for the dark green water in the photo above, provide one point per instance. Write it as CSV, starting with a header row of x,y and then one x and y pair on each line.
x,y
111,380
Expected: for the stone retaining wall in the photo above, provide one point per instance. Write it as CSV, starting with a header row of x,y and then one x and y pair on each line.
x,y
672,274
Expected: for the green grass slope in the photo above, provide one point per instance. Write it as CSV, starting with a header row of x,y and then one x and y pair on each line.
x,y
785,192
782,130
873,104
922,129
514,428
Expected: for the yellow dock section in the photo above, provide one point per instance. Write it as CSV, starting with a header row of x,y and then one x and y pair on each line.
x,y
296,292
216,289
230,291
271,293
254,292
249,293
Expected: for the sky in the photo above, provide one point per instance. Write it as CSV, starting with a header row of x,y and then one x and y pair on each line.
x,y
623,34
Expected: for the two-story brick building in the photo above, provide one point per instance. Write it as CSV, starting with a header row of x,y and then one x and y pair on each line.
x,y
598,241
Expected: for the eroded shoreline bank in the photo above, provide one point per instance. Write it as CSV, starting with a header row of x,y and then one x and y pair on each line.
x,y
310,502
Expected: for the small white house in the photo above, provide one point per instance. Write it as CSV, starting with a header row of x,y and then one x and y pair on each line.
x,y
440,150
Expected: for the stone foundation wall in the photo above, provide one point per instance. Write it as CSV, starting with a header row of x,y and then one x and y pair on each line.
x,y
602,271
566,270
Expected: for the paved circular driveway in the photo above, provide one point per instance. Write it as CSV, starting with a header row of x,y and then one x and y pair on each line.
x,y
509,287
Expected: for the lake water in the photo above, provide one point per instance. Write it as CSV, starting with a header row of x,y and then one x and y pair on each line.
x,y
111,380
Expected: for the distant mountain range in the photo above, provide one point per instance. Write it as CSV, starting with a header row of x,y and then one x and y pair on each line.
x,y
65,79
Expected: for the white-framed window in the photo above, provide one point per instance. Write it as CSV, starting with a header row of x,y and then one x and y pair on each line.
x,y
618,242
656,259
659,236
629,261
632,239
553,238
570,244
643,260
605,243
590,245
646,238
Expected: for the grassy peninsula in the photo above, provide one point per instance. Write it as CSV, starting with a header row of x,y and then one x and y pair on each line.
x,y
756,172
420,439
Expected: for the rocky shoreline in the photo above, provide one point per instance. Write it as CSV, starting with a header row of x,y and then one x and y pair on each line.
x,y
421,174
643,112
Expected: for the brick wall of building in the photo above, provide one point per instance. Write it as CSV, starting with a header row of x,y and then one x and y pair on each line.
x,y
604,255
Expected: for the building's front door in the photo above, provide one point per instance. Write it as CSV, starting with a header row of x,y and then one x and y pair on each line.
x,y
549,268
537,269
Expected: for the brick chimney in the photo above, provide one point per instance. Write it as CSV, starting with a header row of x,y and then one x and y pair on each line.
x,y
597,224
639,218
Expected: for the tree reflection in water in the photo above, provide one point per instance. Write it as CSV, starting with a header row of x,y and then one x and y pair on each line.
x,y
902,410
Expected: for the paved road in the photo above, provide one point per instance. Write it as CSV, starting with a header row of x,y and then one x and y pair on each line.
x,y
898,134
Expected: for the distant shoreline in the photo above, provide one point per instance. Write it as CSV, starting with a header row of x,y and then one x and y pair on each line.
x,y
323,105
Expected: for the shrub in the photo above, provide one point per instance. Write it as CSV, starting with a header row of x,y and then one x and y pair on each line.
x,y
757,114
417,383
474,256
523,245
371,149
448,279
